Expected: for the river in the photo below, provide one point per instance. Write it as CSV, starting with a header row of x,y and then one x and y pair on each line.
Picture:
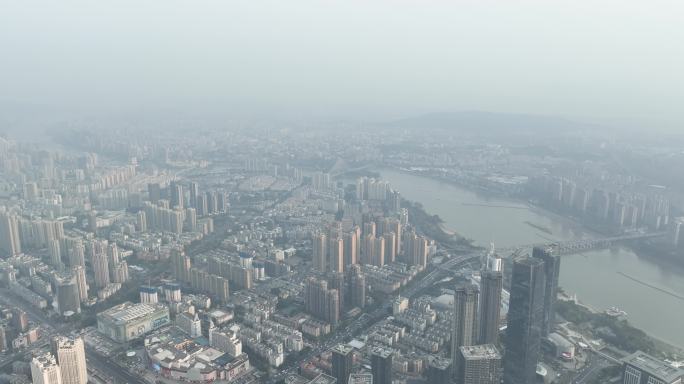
x,y
596,277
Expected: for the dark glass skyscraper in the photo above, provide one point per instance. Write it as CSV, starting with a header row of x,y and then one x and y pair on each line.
x,y
438,370
336,281
357,287
525,320
490,306
465,331
342,362
552,272
381,365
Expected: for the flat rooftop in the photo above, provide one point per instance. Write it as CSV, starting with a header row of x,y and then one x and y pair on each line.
x,y
128,311
323,379
381,352
480,352
653,366
360,378
343,349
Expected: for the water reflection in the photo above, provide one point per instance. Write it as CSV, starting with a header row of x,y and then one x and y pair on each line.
x,y
594,276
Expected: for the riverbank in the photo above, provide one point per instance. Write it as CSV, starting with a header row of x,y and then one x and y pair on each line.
x,y
521,204
448,231
591,276
433,227
616,331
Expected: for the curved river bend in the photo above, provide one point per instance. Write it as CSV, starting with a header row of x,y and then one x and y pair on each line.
x,y
601,279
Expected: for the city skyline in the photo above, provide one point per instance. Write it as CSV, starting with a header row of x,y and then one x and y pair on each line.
x,y
342,192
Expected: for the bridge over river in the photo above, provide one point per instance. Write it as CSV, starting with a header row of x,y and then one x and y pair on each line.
x,y
581,245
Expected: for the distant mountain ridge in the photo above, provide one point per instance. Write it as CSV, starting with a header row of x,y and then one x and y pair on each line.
x,y
489,122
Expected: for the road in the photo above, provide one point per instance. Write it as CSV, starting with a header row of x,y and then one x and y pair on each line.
x,y
592,368
95,360
366,320
107,366
121,375
47,329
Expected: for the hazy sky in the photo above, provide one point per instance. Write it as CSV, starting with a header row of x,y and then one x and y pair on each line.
x,y
617,58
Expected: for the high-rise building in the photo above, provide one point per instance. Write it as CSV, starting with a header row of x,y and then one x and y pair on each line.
x,y
378,254
322,302
31,191
172,292
71,359
44,370
80,275
10,242
332,306
96,246
176,195
480,364
360,189
320,181
180,265
148,294
369,228
367,249
212,202
154,191
640,368
92,221
342,362
416,249
112,254
357,287
320,252
438,370
395,227
390,247
350,249
194,192
381,365
100,269
336,254
55,253
404,216
68,296
465,331
77,254
491,284
525,321
214,285
552,273
202,206
159,217
222,201
119,272
141,223
337,281
191,219
20,320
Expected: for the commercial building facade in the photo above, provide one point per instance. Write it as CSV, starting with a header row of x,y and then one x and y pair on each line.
x,y
129,321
